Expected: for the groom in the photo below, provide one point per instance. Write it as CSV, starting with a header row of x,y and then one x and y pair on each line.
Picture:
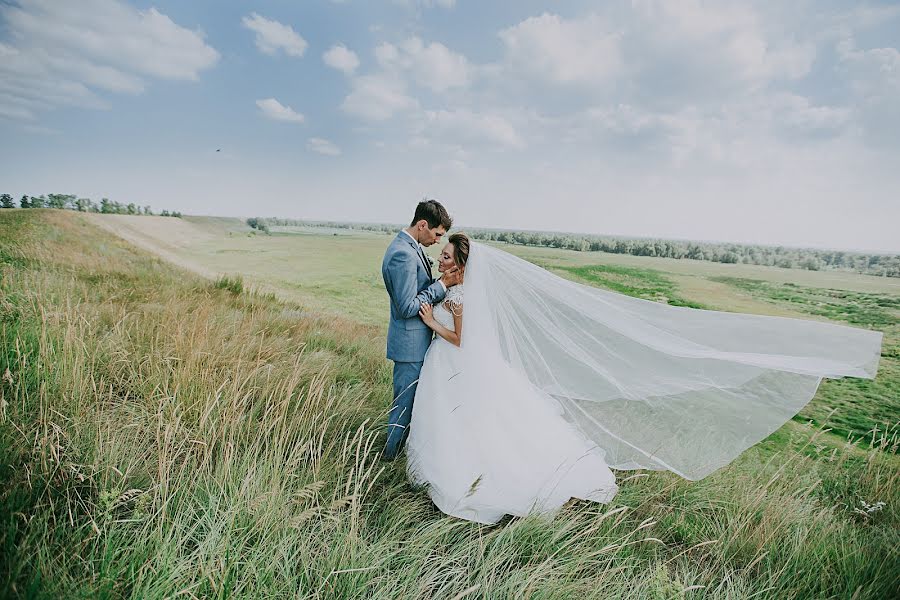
x,y
407,277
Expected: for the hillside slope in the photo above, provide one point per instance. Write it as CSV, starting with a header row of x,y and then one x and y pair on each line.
x,y
163,435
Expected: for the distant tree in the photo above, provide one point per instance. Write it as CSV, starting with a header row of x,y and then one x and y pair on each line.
x,y
6,201
38,201
105,206
83,204
147,210
25,202
59,201
132,208
809,263
729,257
784,262
258,223
164,213
176,214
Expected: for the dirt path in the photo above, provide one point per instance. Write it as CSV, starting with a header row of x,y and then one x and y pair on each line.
x,y
162,236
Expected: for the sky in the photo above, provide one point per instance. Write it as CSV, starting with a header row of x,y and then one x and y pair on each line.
x,y
759,122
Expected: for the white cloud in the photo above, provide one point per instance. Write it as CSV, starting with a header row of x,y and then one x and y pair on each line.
x,y
275,110
323,146
65,53
874,79
871,72
689,47
383,94
799,116
386,54
433,65
581,51
377,98
735,42
272,36
340,58
464,126
671,82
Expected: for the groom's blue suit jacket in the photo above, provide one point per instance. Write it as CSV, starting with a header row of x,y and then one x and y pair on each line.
x,y
408,281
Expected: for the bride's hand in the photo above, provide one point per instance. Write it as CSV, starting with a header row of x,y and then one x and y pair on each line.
x,y
425,314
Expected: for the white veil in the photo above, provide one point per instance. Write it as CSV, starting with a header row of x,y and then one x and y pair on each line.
x,y
655,386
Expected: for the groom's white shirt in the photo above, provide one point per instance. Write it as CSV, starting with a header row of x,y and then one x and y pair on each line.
x,y
422,250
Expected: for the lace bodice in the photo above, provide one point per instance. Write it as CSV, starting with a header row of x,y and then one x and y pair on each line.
x,y
442,311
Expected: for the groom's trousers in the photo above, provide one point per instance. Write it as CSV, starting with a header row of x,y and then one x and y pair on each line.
x,y
406,377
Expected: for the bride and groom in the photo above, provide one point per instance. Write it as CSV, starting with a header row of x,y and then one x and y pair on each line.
x,y
551,384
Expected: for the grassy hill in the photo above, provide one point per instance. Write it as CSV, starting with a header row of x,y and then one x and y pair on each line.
x,y
163,434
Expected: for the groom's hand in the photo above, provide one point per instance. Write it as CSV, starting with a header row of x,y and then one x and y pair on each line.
x,y
450,277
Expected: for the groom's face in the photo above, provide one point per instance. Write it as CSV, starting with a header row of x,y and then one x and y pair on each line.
x,y
430,236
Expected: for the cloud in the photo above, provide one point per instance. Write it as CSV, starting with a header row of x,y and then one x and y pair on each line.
x,y
433,65
323,146
799,116
703,51
340,58
272,36
688,48
674,83
874,79
275,110
581,51
464,126
377,98
384,93
871,72
65,54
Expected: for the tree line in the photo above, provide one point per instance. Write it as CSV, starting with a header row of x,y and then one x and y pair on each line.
x,y
258,224
814,259
73,202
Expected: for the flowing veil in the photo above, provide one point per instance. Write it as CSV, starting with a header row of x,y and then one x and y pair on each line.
x,y
655,386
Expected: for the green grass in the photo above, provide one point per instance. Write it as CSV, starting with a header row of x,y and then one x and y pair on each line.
x,y
235,284
641,283
857,308
852,407
161,436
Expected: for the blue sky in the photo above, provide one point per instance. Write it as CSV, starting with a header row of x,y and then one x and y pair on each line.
x,y
765,122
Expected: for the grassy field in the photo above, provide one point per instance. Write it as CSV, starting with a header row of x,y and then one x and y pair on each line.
x,y
168,434
306,265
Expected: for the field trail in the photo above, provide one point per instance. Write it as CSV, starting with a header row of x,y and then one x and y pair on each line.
x,y
305,269
162,236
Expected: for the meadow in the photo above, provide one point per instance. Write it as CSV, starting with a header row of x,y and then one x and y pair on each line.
x,y
189,408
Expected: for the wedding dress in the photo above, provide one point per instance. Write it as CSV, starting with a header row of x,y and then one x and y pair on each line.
x,y
495,445
555,382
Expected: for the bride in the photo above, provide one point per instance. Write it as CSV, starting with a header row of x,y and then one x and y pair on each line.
x,y
553,383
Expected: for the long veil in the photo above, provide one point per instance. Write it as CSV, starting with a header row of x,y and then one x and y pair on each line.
x,y
655,386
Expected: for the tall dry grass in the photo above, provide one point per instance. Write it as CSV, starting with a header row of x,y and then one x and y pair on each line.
x,y
163,436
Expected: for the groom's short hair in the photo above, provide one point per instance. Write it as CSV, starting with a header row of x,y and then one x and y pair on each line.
x,y
434,213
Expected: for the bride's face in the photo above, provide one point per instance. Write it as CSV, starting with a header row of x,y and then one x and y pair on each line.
x,y
446,260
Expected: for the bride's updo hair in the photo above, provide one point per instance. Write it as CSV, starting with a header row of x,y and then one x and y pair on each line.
x,y
460,243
